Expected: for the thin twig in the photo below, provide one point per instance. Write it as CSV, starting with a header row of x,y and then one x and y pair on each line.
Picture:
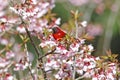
x,y
37,52
81,77
74,72
32,42
76,25
31,72
27,58
51,52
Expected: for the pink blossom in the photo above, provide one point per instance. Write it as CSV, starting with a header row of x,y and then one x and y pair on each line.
x,y
8,77
4,62
2,7
21,29
79,2
94,30
10,55
97,1
34,10
21,65
3,25
48,43
74,47
3,41
64,72
115,8
52,64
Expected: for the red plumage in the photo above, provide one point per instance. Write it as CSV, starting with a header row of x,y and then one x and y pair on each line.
x,y
58,33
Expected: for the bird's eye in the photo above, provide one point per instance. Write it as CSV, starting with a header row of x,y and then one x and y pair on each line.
x,y
55,30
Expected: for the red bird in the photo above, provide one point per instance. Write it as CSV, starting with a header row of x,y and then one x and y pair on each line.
x,y
58,34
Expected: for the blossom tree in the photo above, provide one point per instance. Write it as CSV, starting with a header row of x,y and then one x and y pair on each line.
x,y
60,55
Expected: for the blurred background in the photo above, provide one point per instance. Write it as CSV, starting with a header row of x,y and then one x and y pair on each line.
x,y
103,17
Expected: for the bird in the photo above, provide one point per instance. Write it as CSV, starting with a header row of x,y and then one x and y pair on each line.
x,y
58,33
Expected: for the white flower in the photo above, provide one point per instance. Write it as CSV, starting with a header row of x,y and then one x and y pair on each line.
x,y
90,47
21,66
84,23
3,4
74,47
3,70
26,65
3,62
3,19
21,29
48,44
34,1
110,76
10,54
70,62
13,9
85,68
41,13
79,2
101,77
52,64
80,72
2,13
57,22
94,78
97,58
3,41
57,76
9,78
47,68
61,49
33,71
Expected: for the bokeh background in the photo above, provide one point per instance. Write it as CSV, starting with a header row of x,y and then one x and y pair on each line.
x,y
103,17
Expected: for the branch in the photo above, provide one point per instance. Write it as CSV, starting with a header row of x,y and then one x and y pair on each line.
x,y
31,72
81,77
76,25
37,52
51,52
32,42
74,69
27,58
30,37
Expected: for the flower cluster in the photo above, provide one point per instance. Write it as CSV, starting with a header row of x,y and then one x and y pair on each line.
x,y
108,73
2,7
66,60
5,64
75,58
31,12
32,8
